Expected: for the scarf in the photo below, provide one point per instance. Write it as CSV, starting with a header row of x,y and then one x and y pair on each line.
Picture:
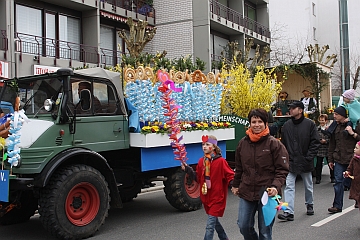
x,y
298,121
254,137
207,160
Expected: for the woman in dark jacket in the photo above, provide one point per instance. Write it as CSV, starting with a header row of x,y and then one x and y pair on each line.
x,y
262,162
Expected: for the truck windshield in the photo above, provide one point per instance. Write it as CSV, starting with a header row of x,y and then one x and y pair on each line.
x,y
32,94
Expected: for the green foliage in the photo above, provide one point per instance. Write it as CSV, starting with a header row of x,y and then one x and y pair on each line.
x,y
159,61
14,86
200,64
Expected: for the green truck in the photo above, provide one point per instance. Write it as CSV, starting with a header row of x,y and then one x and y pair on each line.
x,y
76,156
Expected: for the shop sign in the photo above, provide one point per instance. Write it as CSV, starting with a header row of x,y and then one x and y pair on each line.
x,y
4,69
40,69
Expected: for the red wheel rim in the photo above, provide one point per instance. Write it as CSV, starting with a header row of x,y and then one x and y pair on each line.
x,y
192,189
82,204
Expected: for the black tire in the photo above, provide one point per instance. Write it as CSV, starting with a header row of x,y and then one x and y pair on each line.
x,y
70,191
129,193
181,193
26,208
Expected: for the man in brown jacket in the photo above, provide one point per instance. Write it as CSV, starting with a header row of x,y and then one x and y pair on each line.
x,y
342,142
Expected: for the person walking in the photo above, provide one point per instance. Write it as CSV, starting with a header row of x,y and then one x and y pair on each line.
x,y
323,149
214,175
353,172
342,141
261,162
301,140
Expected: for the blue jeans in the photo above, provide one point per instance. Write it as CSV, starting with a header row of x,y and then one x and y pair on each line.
x,y
213,223
246,221
339,184
289,191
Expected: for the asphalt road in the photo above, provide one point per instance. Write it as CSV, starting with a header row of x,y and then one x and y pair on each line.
x,y
150,217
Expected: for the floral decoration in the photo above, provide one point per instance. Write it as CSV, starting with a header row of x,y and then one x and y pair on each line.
x,y
162,128
329,110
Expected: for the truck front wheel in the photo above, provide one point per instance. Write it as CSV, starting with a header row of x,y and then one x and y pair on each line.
x,y
181,192
75,203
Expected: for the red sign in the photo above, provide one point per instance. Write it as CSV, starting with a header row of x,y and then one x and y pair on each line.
x,y
40,69
4,69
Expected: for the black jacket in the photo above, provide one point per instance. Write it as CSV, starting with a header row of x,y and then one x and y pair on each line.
x,y
341,147
302,143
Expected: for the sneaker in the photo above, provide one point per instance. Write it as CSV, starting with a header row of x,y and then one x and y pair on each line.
x,y
334,210
332,180
346,188
317,181
309,209
286,216
356,204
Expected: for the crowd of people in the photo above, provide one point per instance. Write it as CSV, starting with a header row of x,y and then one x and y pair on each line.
x,y
263,165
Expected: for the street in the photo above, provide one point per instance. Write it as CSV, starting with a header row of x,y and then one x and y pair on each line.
x,y
150,216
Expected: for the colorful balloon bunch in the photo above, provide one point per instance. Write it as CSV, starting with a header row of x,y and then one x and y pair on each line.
x,y
13,141
139,93
214,100
171,111
199,101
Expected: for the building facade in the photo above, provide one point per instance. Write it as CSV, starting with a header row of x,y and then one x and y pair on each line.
x,y
299,23
39,36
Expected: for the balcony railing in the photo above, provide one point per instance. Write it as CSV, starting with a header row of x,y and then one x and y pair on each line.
x,y
47,47
4,41
136,6
232,16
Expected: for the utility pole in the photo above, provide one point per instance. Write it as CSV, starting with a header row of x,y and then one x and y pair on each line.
x,y
344,45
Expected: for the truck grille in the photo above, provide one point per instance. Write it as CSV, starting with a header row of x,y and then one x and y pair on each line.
x,y
58,141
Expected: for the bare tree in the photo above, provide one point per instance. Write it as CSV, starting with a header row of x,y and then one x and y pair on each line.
x,y
286,49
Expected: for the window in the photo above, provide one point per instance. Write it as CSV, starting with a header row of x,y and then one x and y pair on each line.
x,y
313,9
107,45
40,35
111,53
314,33
103,97
50,32
250,10
69,36
28,24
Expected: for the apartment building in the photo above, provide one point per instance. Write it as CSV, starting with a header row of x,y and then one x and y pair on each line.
x,y
39,36
303,22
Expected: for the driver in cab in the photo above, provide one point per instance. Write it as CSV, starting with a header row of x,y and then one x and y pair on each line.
x,y
95,104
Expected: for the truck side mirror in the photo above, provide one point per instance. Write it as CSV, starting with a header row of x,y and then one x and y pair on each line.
x,y
85,99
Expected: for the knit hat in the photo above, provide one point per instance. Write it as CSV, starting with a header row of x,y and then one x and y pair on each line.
x,y
349,94
341,111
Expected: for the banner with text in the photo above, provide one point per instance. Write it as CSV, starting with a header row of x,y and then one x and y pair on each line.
x,y
4,185
40,69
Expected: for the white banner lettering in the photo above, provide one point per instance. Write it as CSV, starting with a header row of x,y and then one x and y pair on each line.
x,y
40,69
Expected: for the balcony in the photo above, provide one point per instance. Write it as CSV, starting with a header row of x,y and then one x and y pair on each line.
x,y
130,8
222,11
56,49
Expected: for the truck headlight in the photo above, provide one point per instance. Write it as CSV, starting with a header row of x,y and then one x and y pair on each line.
x,y
48,104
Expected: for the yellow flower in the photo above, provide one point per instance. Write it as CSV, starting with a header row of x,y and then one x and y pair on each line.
x,y
244,92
